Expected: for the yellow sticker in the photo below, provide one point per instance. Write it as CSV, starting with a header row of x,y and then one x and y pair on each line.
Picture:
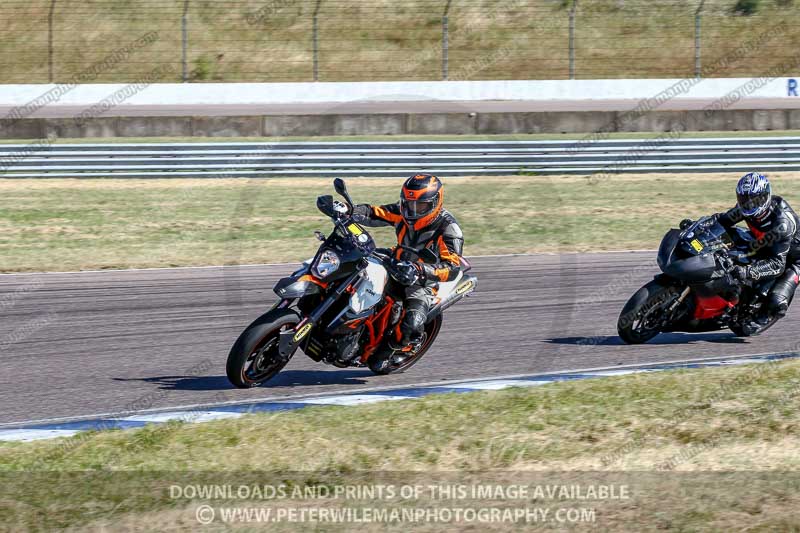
x,y
302,332
355,229
697,245
465,287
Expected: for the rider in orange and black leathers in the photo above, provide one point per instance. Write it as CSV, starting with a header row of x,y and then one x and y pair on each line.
x,y
420,222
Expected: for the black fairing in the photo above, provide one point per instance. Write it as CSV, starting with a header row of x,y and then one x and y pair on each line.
x,y
694,269
678,259
667,248
349,249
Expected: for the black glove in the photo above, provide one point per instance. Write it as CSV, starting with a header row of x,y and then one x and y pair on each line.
x,y
685,223
739,273
361,212
405,272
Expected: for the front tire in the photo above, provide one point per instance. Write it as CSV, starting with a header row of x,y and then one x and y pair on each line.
x,y
384,361
254,358
638,321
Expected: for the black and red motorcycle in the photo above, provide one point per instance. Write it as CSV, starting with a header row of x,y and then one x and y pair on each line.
x,y
340,307
695,291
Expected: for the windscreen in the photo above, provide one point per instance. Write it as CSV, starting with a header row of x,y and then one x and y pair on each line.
x,y
706,235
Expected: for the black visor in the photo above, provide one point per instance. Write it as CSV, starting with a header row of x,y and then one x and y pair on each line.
x,y
753,204
416,209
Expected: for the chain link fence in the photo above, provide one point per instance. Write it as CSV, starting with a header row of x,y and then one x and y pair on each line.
x,y
340,40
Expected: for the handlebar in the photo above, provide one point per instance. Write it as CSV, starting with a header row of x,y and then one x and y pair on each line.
x,y
725,262
380,255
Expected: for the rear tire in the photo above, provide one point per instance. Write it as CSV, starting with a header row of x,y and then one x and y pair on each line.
x,y
254,359
634,325
384,361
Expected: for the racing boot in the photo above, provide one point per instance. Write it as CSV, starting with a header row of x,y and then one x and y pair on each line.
x,y
412,328
776,305
759,323
752,326
404,352
407,346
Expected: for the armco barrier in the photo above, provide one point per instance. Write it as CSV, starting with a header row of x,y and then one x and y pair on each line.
x,y
393,159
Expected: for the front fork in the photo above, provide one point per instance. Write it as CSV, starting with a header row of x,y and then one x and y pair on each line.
x,y
666,321
679,301
290,339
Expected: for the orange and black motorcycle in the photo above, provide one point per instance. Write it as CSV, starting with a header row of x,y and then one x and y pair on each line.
x,y
339,307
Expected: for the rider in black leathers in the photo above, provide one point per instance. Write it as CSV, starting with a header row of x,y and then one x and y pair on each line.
x,y
774,225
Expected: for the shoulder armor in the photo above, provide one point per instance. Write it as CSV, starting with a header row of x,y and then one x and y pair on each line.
x,y
450,227
787,224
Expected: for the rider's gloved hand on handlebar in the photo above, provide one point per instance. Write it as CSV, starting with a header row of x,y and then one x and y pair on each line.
x,y
405,272
739,273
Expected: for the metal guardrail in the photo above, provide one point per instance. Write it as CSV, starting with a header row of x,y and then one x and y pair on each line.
x,y
393,159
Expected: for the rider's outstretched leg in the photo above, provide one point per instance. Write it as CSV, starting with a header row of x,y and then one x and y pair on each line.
x,y
783,291
417,304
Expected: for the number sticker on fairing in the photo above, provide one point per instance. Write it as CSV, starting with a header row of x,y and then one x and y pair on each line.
x,y
355,229
697,245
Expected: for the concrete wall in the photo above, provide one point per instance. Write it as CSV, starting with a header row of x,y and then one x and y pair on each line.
x,y
400,124
394,108
20,97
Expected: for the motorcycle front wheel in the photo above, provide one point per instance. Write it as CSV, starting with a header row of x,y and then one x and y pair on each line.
x,y
254,358
641,318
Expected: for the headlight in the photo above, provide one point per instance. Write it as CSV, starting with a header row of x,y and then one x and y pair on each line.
x,y
327,264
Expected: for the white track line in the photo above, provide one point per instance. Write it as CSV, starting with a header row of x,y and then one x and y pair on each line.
x,y
473,382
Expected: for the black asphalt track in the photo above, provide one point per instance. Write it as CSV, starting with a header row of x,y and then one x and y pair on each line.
x,y
82,344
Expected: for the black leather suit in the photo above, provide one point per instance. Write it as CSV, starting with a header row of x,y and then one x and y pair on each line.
x,y
777,250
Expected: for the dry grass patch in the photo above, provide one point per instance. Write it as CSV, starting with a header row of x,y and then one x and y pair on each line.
x,y
64,224
254,40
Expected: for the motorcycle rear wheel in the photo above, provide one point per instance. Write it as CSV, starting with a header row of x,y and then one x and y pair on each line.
x,y
384,361
635,324
254,358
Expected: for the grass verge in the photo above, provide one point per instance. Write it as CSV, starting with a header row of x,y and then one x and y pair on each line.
x,y
64,224
698,450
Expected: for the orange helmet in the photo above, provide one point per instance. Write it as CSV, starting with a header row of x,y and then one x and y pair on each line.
x,y
421,200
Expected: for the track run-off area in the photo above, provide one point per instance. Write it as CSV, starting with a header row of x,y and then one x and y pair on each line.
x,y
76,345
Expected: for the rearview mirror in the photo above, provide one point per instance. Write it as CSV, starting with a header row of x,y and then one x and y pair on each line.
x,y
341,188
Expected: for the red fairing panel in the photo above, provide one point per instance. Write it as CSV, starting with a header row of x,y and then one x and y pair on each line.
x,y
711,307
